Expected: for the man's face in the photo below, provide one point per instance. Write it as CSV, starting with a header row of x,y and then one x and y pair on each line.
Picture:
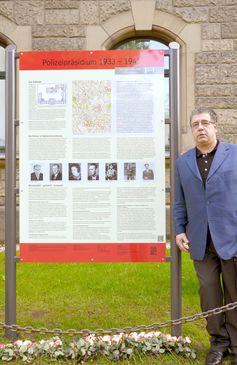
x,y
146,166
74,170
37,169
92,170
55,169
203,129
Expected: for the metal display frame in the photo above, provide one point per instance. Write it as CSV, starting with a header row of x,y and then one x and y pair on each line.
x,y
11,190
176,300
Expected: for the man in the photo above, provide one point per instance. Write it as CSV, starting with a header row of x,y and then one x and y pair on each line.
x,y
37,174
130,170
147,173
205,220
111,172
92,172
56,173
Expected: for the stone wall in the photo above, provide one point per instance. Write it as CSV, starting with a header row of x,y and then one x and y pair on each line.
x,y
216,87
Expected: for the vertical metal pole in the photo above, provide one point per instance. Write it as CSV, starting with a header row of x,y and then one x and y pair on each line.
x,y
176,301
10,192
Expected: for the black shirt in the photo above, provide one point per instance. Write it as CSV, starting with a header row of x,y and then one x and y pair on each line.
x,y
204,161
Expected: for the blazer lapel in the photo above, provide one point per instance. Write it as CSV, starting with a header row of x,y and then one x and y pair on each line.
x,y
220,155
192,162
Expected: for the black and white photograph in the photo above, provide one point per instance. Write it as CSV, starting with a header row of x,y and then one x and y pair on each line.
x,y
148,173
37,174
74,171
130,171
93,171
111,171
56,171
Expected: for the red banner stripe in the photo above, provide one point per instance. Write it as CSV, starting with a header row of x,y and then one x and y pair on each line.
x,y
71,60
93,252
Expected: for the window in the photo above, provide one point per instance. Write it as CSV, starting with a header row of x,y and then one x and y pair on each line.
x,y
2,98
144,43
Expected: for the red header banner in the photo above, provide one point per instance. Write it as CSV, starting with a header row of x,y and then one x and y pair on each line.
x,y
74,60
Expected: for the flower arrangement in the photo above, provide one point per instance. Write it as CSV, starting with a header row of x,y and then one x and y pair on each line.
x,y
113,347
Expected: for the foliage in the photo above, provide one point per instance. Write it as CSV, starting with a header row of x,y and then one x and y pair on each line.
x,y
114,347
135,44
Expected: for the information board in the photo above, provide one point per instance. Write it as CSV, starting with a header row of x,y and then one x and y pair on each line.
x,y
92,156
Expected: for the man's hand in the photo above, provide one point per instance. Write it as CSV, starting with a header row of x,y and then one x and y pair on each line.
x,y
182,242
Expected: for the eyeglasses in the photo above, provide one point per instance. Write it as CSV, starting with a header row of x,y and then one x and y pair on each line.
x,y
204,123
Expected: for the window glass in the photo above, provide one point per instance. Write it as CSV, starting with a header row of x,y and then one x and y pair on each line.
x,y
144,44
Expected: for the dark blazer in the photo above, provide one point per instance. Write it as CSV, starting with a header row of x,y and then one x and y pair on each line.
x,y
90,178
34,177
58,177
195,207
148,174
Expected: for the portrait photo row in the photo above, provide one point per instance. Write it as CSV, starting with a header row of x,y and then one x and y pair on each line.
x,y
88,171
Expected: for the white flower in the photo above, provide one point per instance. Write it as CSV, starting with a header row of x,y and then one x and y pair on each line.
x,y
149,335
51,343
133,335
106,339
27,343
187,340
18,343
142,338
90,337
58,342
170,338
116,338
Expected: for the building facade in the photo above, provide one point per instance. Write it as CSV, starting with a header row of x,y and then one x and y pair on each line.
x,y
206,31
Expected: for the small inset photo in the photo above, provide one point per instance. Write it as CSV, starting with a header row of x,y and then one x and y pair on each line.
x,y
74,171
37,174
111,171
130,171
51,94
55,172
93,171
148,173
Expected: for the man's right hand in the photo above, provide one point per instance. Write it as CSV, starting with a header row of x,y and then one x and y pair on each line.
x,y
182,242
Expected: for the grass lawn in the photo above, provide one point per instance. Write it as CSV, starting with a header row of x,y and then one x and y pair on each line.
x,y
103,296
